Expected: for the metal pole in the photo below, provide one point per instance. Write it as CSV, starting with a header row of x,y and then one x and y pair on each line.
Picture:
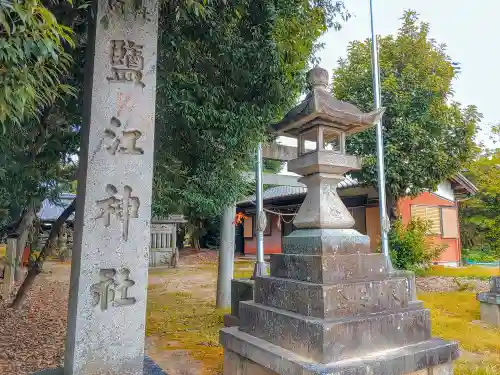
x,y
260,266
384,220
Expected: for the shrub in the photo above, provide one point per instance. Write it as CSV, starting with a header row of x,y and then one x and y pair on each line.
x,y
479,255
410,246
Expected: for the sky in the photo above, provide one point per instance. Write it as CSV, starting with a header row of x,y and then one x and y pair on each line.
x,y
470,30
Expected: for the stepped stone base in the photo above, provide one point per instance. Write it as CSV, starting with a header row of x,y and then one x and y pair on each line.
x,y
248,355
335,339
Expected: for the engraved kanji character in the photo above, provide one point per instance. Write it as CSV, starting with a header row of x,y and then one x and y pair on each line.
x,y
109,206
123,207
127,62
126,144
103,290
121,286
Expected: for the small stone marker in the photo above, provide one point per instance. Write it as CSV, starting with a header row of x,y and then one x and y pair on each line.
x,y
490,303
109,271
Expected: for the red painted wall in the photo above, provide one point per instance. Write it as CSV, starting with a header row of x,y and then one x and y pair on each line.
x,y
272,243
453,251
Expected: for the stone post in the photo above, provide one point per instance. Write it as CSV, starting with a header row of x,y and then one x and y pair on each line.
x,y
490,303
226,258
9,270
109,270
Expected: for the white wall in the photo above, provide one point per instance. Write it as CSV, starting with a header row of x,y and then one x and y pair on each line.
x,y
445,191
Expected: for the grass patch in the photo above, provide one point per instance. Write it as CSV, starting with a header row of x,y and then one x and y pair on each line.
x,y
242,274
186,323
470,272
480,368
452,316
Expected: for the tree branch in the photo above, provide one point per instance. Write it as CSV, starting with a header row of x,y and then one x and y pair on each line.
x,y
36,267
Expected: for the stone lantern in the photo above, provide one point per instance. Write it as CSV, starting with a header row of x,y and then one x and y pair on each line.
x,y
331,306
320,124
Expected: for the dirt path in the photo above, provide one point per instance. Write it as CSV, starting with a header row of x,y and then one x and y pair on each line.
x,y
32,338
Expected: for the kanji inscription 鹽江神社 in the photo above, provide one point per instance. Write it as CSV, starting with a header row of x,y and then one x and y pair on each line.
x,y
122,207
112,287
124,144
127,62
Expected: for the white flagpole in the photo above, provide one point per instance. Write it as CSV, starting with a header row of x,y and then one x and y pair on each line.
x,y
384,220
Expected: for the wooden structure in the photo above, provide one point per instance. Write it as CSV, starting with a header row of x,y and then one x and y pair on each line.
x,y
164,250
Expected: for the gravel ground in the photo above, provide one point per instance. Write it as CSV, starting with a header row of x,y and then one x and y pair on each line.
x,y
450,284
32,338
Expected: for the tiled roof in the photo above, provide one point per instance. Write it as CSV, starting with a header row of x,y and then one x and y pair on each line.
x,y
291,191
51,210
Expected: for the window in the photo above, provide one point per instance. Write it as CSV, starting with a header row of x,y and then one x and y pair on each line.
x,y
432,214
450,222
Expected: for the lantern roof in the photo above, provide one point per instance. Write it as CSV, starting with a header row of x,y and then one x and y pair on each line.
x,y
321,107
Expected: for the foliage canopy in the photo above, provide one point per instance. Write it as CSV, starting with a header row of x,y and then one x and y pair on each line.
x,y
480,216
427,136
33,59
221,80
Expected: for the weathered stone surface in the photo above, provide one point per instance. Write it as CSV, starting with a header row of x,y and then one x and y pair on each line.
x,y
234,364
329,269
490,313
322,206
404,360
149,368
326,242
324,161
231,320
444,369
495,284
489,297
109,270
335,339
330,301
410,276
241,290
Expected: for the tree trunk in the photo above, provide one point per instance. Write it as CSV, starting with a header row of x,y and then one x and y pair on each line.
x,y
37,265
196,240
22,229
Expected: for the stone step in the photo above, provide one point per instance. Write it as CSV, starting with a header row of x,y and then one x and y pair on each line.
x,y
326,242
335,339
433,354
332,300
329,269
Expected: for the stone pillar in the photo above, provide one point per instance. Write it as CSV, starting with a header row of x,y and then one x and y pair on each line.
x,y
109,270
226,258
9,270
